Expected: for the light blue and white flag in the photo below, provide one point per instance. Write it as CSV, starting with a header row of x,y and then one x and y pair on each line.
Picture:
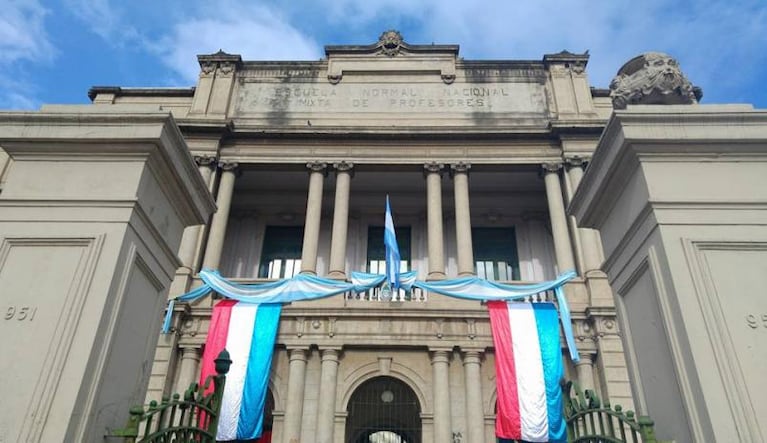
x,y
392,250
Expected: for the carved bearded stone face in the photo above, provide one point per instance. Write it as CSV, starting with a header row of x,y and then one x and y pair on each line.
x,y
651,78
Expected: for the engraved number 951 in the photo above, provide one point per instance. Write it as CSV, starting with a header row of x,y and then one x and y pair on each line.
x,y
20,313
755,321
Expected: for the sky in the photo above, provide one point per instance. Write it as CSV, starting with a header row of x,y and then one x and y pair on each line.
x,y
54,51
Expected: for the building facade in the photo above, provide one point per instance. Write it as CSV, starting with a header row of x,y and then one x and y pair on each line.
x,y
479,160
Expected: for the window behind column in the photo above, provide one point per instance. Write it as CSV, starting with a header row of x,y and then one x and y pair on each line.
x,y
281,253
495,253
376,260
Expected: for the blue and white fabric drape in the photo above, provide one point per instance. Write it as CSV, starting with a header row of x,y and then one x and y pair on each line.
x,y
309,287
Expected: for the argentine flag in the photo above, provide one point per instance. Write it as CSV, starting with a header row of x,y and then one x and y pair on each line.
x,y
392,250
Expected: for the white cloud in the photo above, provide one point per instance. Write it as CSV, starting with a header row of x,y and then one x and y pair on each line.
x,y
709,38
23,40
22,34
255,32
105,19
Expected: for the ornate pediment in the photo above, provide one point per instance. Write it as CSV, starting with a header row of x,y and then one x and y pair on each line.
x,y
391,54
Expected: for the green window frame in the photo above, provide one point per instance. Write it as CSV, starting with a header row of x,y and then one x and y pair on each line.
x,y
376,255
495,253
281,252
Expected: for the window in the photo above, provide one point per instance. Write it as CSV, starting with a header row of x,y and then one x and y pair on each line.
x,y
281,253
377,251
495,253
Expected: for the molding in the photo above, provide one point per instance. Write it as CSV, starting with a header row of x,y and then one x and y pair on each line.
x,y
66,325
719,335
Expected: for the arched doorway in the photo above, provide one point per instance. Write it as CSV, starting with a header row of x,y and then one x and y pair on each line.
x,y
383,410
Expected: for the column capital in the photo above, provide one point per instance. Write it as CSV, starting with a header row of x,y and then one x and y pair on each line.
x,y
440,355
346,167
317,167
551,167
228,165
575,161
297,353
330,353
586,358
190,350
433,168
471,356
459,168
205,160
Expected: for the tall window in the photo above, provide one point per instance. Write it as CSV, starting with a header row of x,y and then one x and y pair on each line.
x,y
281,254
495,253
377,251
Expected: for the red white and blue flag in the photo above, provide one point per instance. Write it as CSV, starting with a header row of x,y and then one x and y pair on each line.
x,y
528,366
248,331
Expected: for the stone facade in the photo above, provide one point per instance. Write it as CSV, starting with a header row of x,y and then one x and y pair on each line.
x,y
463,148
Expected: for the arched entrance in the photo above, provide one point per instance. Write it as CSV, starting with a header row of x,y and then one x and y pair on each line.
x,y
383,410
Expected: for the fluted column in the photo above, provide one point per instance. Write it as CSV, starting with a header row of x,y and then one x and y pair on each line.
x,y
585,371
221,217
562,246
441,386
294,408
436,239
317,172
344,174
475,417
464,247
187,372
327,402
188,248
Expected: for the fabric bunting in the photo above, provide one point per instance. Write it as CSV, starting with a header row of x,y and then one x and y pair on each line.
x,y
309,287
248,332
528,367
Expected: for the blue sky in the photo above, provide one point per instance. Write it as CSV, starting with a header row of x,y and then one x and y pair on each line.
x,y
53,51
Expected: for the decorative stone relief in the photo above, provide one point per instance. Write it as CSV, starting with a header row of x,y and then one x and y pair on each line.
x,y
226,68
390,43
551,167
207,68
652,78
433,168
471,325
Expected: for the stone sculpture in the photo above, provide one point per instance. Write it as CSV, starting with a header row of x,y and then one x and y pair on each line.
x,y
652,78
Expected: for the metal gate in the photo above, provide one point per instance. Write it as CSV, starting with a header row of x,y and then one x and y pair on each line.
x,y
383,410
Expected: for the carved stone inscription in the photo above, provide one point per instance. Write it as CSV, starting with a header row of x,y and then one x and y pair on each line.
x,y
266,98
36,312
738,276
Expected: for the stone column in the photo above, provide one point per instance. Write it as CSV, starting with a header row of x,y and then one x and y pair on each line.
x,y
562,246
436,239
344,175
221,217
317,172
441,387
294,407
592,257
187,372
585,371
327,402
596,280
464,247
475,417
188,248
